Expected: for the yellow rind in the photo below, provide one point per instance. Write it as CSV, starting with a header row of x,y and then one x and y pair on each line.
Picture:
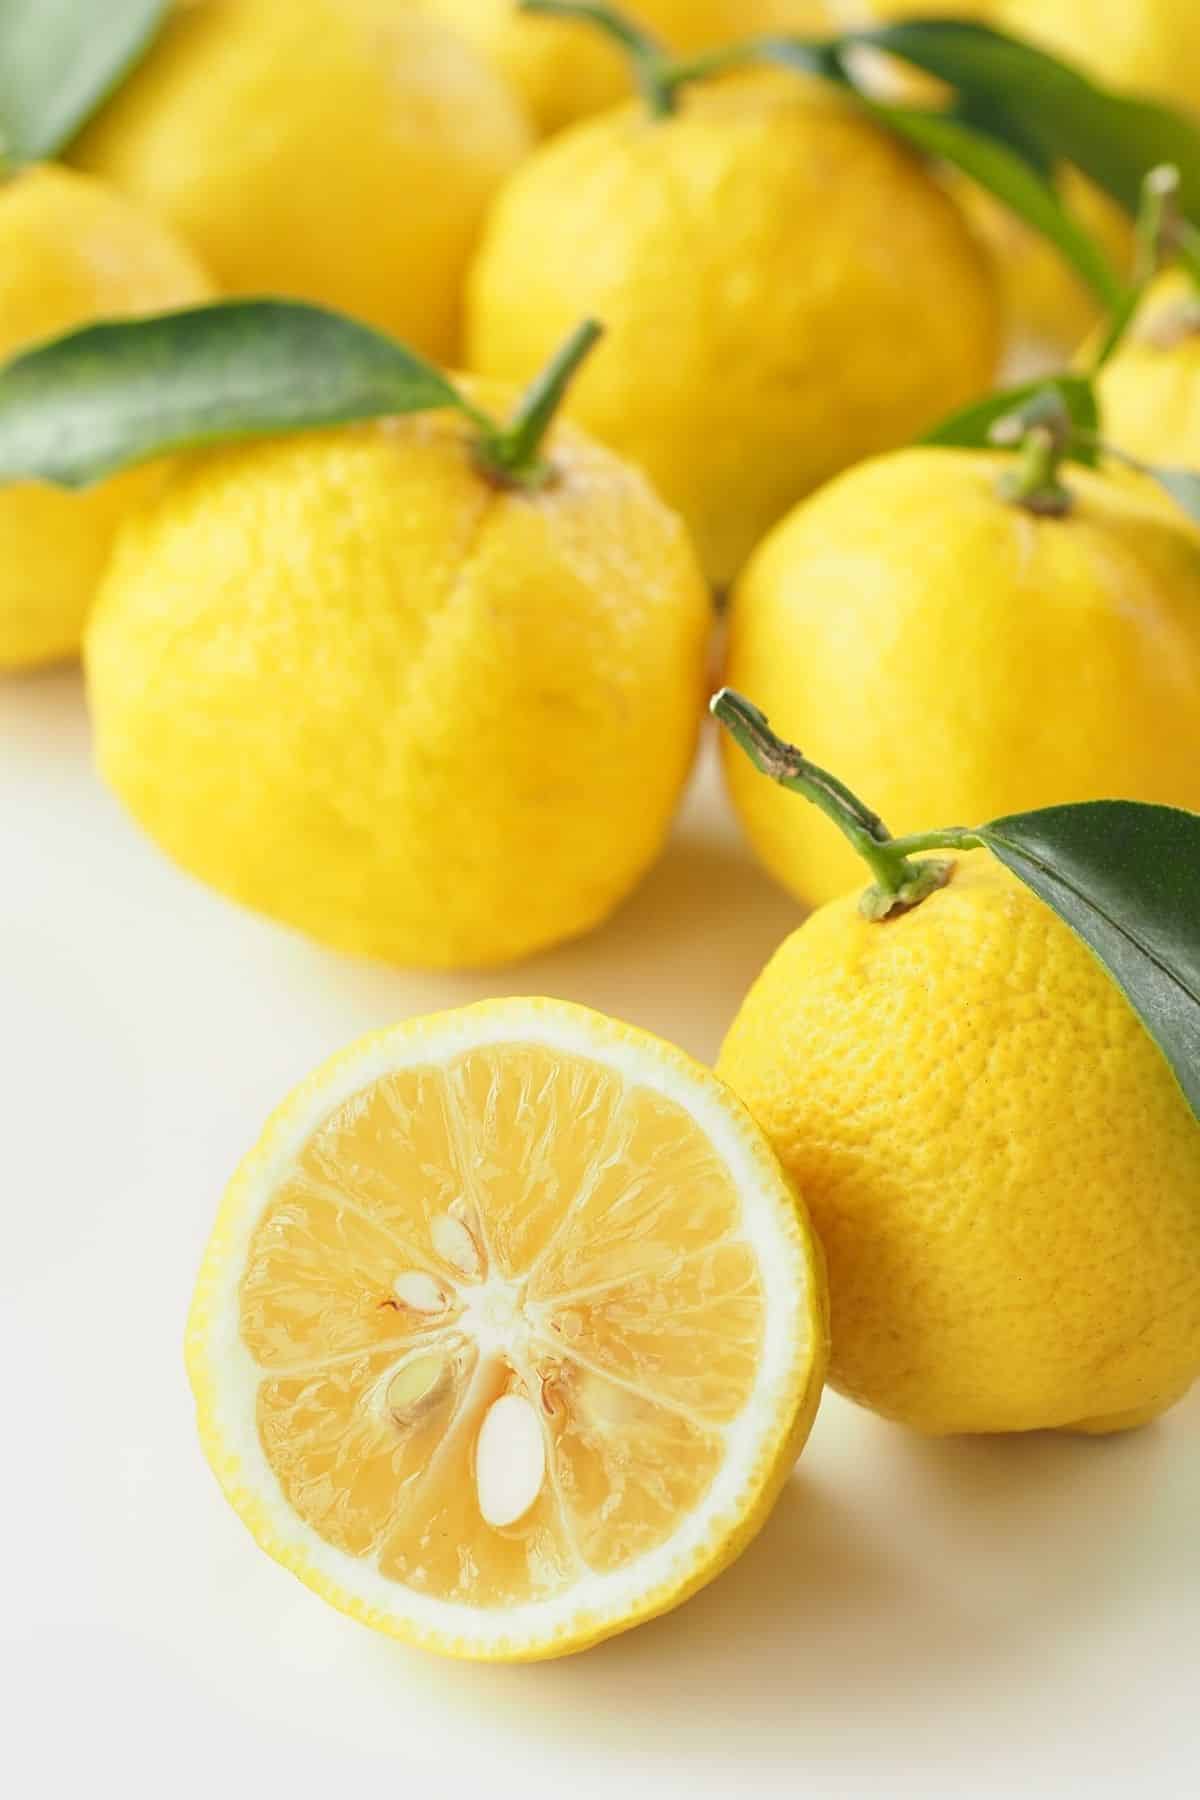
x,y
1001,1164
729,1535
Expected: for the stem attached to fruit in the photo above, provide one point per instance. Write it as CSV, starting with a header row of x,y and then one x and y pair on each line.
x,y
899,883
658,74
511,452
1033,481
1158,221
651,62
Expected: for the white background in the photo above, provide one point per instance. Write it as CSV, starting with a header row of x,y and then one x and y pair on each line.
x,y
973,1618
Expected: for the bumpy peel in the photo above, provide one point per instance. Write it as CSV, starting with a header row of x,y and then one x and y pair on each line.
x,y
509,1331
754,344
353,683
1150,391
565,70
955,658
72,250
342,151
1149,47
1003,1171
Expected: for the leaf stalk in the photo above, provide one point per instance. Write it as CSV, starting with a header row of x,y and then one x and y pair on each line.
x,y
512,451
899,883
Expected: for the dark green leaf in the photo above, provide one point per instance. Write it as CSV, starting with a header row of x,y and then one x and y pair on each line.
x,y
59,59
97,400
970,428
989,115
1038,103
1126,877
1004,173
1183,485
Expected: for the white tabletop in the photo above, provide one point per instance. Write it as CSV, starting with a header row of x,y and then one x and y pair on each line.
x,y
991,1618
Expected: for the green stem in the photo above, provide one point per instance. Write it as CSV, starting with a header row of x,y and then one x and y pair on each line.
x,y
1155,223
681,70
652,66
512,451
899,883
953,837
659,74
1033,482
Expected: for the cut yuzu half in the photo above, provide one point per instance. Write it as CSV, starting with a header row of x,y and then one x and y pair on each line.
x,y
509,1331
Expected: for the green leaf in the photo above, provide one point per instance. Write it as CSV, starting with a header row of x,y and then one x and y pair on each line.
x,y
97,400
59,59
984,143
970,428
1006,174
1126,878
1038,103
1183,485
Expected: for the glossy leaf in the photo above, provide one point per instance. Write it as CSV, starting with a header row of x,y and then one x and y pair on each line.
x,y
1126,878
970,428
59,59
99,399
986,140
1039,104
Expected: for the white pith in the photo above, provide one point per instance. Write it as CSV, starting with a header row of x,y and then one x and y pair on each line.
x,y
493,1314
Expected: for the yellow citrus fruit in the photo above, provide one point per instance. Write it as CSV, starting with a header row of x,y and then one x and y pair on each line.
x,y
342,151
71,251
1150,47
565,70
509,1332
956,658
853,10
1150,391
1000,1164
1137,46
851,14
1046,301
1049,308
353,683
758,338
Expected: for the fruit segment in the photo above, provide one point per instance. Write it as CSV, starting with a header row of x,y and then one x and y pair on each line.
x,y
539,1129
504,1314
691,1333
350,1441
629,1467
323,1278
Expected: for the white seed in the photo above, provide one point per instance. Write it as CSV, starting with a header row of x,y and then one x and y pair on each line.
x,y
510,1461
419,1292
414,1388
455,1245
